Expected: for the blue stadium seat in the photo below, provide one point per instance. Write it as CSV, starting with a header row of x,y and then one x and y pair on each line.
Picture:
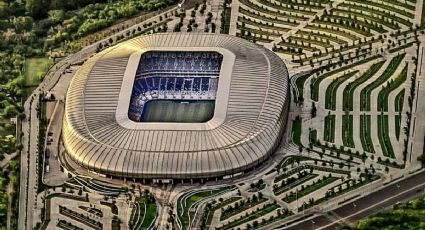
x,y
174,71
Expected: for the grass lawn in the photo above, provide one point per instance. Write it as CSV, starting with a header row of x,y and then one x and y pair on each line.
x,y
347,130
397,126
35,69
178,111
383,134
353,186
185,203
297,182
309,189
316,83
226,16
312,136
365,133
352,86
423,17
149,215
299,82
389,71
146,217
330,99
388,88
217,207
259,212
399,99
329,130
296,131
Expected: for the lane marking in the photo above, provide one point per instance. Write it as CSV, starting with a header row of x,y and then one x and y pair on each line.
x,y
370,207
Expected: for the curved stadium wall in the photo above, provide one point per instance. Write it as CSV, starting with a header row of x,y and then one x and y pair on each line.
x,y
103,132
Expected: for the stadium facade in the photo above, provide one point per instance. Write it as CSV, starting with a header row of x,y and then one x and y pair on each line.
x,y
176,106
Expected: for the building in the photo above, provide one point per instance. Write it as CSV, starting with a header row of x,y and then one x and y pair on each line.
x,y
176,106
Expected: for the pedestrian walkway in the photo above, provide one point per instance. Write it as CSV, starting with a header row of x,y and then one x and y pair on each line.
x,y
234,17
416,144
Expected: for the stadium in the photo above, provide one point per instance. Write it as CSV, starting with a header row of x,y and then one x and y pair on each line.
x,y
176,106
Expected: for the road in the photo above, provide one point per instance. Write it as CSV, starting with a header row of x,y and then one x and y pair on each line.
x,y
29,155
401,191
28,181
27,197
416,142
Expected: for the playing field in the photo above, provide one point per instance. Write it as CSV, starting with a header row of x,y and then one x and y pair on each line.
x,y
178,111
35,69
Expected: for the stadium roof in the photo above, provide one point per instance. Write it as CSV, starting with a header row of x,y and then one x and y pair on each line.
x,y
252,101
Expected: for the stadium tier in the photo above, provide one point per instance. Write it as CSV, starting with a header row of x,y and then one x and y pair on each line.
x,y
185,78
176,106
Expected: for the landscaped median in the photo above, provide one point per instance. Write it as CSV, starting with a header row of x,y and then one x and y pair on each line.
x,y
383,136
144,211
348,94
365,133
365,94
188,202
261,211
329,130
391,86
332,89
67,225
212,207
296,160
296,131
253,212
80,218
347,130
344,187
315,83
316,185
241,206
292,182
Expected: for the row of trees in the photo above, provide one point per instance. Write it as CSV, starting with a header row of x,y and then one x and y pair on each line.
x,y
46,24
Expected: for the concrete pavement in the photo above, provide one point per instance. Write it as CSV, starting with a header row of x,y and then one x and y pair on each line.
x,y
399,191
29,156
416,143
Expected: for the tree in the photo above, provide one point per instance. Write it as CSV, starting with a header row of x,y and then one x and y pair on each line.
x,y
22,116
421,159
10,111
19,146
37,8
23,24
313,110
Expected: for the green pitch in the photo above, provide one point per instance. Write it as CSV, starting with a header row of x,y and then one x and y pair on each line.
x,y
175,111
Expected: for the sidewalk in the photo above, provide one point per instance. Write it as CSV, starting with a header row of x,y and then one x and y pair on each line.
x,y
416,143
